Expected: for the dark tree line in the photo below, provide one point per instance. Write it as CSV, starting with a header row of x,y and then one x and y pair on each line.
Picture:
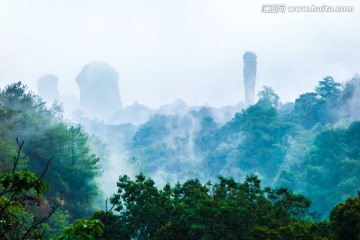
x,y
226,209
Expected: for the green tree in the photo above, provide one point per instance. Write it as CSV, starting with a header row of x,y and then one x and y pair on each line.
x,y
350,87
324,165
263,144
329,90
224,210
112,226
345,219
268,97
20,191
309,110
74,167
82,229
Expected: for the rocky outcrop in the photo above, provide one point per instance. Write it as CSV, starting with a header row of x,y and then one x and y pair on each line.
x,y
48,88
99,90
249,72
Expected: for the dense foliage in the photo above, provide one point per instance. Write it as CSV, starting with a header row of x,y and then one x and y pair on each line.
x,y
311,146
71,174
226,209
20,191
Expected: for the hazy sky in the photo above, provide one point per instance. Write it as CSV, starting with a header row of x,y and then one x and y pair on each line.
x,y
168,49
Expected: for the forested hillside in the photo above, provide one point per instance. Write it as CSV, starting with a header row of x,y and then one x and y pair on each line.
x,y
310,145
71,173
206,173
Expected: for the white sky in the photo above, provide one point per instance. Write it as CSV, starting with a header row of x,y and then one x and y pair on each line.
x,y
168,49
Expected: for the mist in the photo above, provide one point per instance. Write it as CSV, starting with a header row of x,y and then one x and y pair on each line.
x,y
159,85
189,50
